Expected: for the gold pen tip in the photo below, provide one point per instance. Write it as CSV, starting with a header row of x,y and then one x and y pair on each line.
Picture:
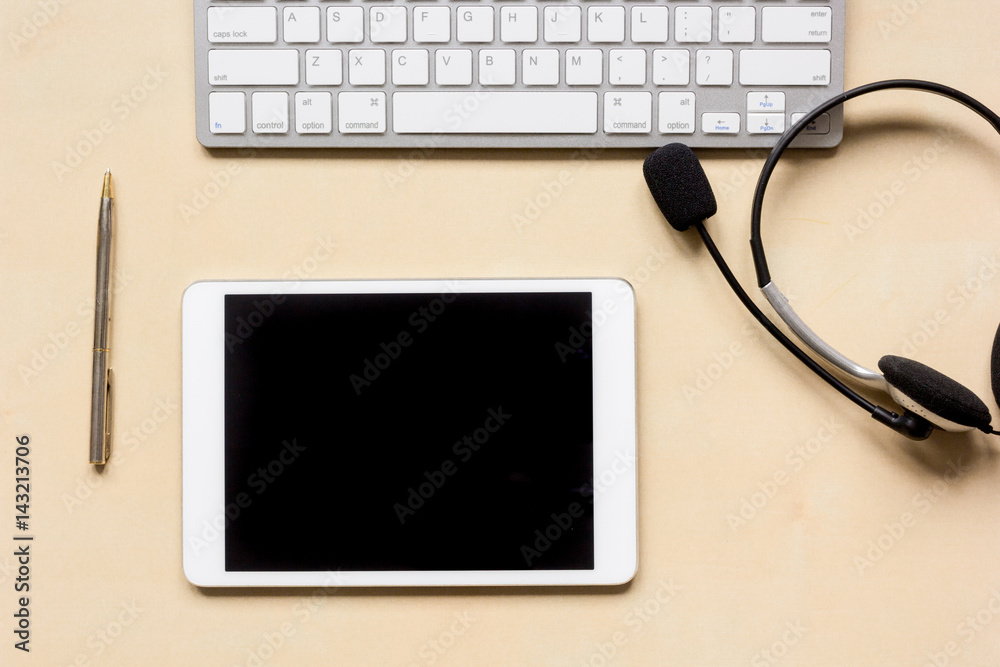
x,y
107,192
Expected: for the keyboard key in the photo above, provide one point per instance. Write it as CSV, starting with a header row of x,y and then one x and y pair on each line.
x,y
676,113
227,113
453,67
345,25
432,25
584,67
767,67
361,113
324,67
737,25
765,123
540,67
650,25
766,102
243,25
270,113
606,23
715,67
301,25
313,113
693,24
491,112
671,67
366,67
819,126
410,67
496,67
518,24
475,24
252,67
786,25
626,112
387,24
720,123
562,23
627,67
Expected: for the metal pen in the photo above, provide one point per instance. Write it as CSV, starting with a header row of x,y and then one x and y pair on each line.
x,y
100,400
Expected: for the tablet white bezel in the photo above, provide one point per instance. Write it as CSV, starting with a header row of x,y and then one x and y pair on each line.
x,y
204,511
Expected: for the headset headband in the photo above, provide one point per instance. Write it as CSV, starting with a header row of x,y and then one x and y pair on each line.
x,y
774,296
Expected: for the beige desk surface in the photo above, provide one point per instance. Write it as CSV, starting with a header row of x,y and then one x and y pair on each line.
x,y
777,523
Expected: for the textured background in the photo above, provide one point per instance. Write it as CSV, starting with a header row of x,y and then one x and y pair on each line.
x,y
777,525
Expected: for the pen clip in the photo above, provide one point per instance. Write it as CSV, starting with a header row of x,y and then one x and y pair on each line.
x,y
106,421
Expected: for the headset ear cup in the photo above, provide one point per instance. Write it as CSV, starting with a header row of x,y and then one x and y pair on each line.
x,y
995,367
934,396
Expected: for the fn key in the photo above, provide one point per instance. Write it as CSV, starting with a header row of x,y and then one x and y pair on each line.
x,y
227,113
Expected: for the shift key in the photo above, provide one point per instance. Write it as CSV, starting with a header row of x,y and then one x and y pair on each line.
x,y
253,67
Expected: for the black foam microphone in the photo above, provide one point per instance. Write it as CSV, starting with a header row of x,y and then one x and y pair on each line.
x,y
679,186
995,367
681,189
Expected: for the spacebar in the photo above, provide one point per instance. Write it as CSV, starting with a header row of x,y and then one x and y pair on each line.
x,y
489,112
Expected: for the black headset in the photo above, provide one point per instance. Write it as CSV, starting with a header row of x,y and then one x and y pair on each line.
x,y
929,399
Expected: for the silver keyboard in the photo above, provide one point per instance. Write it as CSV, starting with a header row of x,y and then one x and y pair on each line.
x,y
515,73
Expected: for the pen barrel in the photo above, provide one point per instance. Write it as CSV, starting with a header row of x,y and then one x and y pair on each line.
x,y
99,408
102,301
99,400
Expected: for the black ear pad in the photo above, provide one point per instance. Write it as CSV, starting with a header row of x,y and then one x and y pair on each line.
x,y
995,368
935,392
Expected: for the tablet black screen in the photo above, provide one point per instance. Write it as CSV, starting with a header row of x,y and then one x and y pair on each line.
x,y
409,432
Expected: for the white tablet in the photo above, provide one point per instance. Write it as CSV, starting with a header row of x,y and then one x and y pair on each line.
x,y
409,433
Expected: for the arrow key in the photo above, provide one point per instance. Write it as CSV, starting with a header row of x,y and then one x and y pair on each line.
x,y
765,123
768,102
720,123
